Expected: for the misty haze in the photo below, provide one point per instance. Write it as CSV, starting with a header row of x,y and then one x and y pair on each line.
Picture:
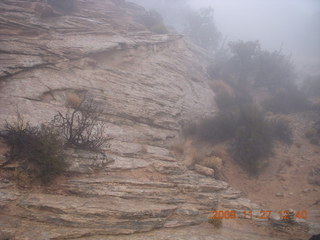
x,y
160,119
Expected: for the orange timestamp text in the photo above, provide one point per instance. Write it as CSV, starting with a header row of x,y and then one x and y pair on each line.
x,y
262,214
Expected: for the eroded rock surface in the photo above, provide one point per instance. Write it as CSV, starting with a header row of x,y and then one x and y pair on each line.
x,y
148,85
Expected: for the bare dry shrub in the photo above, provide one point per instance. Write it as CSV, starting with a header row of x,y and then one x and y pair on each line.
x,y
81,125
281,129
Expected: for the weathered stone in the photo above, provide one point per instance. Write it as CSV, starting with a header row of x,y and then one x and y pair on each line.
x,y
297,228
280,195
146,85
204,170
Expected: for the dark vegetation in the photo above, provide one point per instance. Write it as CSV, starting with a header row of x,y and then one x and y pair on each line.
x,y
287,100
311,86
39,151
64,5
216,222
154,22
247,68
199,26
81,126
313,133
239,77
219,128
250,133
281,130
253,140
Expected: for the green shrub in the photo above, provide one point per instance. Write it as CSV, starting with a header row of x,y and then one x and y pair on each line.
x,y
253,140
38,150
281,130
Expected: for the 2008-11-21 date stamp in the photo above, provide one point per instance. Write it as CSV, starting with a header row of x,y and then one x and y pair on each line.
x,y
263,214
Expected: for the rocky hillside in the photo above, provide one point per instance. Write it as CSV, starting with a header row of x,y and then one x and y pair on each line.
x,y
149,85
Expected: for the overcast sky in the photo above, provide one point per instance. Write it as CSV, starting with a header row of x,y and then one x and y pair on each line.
x,y
274,23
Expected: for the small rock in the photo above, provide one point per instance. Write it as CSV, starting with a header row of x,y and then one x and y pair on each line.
x,y
281,178
187,212
291,193
306,190
285,187
279,195
5,181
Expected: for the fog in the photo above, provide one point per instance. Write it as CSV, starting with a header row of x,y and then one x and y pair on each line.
x,y
290,25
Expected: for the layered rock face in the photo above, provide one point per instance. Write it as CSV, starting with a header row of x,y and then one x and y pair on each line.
x,y
148,86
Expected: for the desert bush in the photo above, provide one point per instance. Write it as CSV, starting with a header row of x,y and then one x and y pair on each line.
x,y
253,140
151,18
312,86
216,222
274,70
316,106
62,4
248,65
313,135
287,100
81,126
225,101
241,66
153,21
232,103
219,128
217,68
159,29
281,129
38,150
201,29
244,51
252,134
224,95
